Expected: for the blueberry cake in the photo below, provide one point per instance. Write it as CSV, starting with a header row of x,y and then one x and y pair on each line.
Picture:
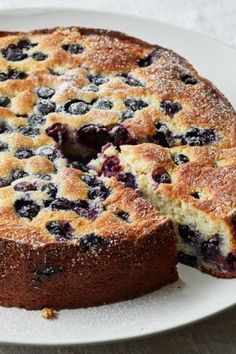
x,y
195,187
87,119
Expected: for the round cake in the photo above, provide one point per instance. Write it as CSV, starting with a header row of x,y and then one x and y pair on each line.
x,y
80,227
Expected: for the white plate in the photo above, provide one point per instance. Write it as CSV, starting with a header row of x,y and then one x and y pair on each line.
x,y
196,295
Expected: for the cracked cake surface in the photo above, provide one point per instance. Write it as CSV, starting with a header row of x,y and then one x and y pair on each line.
x,y
93,124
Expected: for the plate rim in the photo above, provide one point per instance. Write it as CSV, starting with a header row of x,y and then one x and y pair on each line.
x,y
39,10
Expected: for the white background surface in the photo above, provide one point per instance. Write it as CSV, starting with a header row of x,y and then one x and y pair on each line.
x,y
216,18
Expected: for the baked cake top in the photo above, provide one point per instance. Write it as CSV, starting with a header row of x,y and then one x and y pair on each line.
x,y
67,92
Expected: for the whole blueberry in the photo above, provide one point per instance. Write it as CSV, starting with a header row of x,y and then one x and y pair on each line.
x,y
13,53
91,240
161,176
39,56
26,208
179,159
23,153
17,174
46,106
60,229
4,101
77,107
45,92
188,79
25,186
170,108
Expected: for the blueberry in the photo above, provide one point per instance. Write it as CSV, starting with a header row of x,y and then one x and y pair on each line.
x,y
4,101
90,180
44,176
73,48
49,152
29,131
3,146
93,135
86,210
13,53
128,179
170,108
78,165
179,159
46,106
4,128
25,44
58,132
200,136
91,240
100,192
25,186
161,176
60,229
61,204
26,208
3,76
123,215
127,114
36,120
135,104
103,104
146,61
77,107
187,259
45,92
163,135
210,248
97,79
131,81
16,75
17,174
195,195
188,79
111,166
50,189
4,182
189,234
23,153
38,56
91,88
120,136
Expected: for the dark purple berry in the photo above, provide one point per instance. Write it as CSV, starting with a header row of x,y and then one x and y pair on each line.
x,y
163,136
16,75
170,108
123,215
103,103
161,176
210,248
131,81
127,114
45,92
135,104
200,136
73,48
23,153
4,182
46,106
111,166
77,107
50,189
58,132
3,76
61,204
3,146
60,229
25,44
4,101
38,56
13,53
78,165
25,186
189,234
4,128
147,61
128,179
188,79
120,136
49,152
97,79
179,159
44,176
93,135
91,240
27,208
36,120
17,174
29,131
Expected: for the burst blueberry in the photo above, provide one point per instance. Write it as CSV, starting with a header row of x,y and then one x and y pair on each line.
x,y
91,240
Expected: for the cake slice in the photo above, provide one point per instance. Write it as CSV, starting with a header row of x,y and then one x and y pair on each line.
x,y
195,186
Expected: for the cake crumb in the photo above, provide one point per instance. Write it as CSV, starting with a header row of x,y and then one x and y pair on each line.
x,y
48,313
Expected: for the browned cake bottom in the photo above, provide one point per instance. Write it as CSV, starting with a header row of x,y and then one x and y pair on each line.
x,y
63,277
